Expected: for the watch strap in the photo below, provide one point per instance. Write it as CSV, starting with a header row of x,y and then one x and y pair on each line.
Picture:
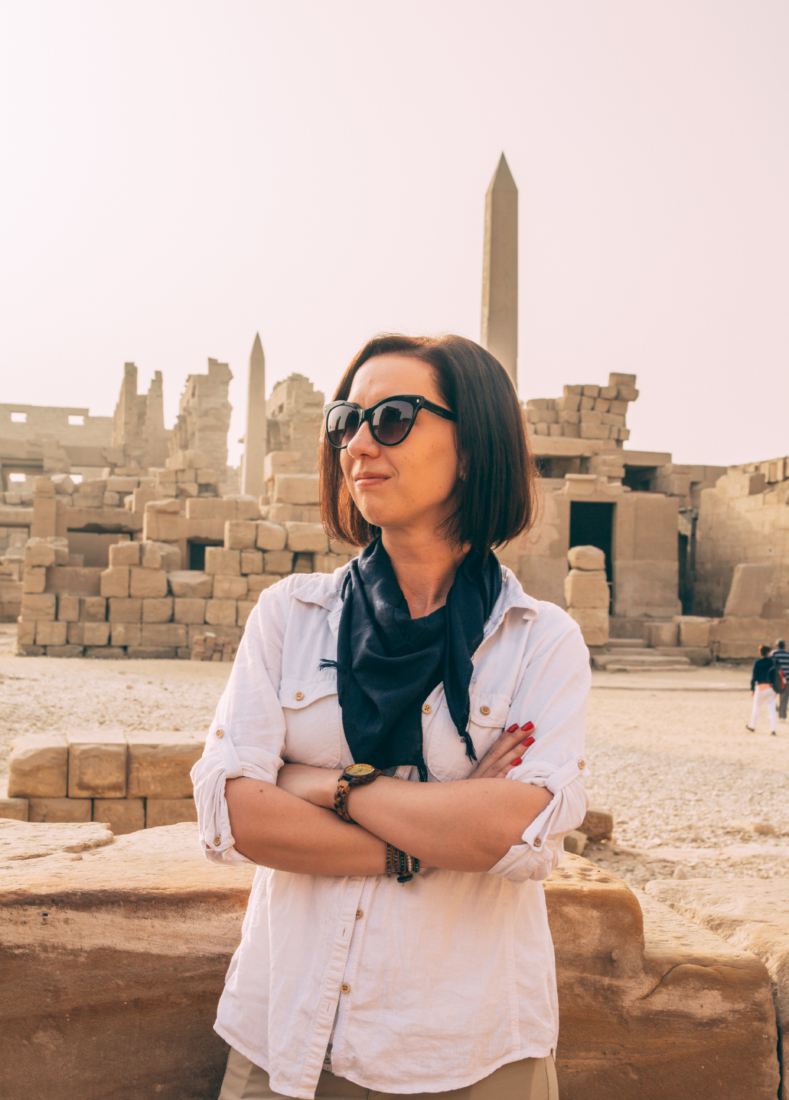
x,y
344,785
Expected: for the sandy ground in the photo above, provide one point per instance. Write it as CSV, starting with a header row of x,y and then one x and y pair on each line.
x,y
692,792
47,693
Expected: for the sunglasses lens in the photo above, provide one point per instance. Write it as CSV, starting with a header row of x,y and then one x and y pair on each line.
x,y
342,424
392,420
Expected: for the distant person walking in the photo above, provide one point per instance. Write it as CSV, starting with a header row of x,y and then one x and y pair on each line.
x,y
781,657
764,669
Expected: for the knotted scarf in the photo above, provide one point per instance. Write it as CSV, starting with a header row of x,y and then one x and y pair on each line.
x,y
388,663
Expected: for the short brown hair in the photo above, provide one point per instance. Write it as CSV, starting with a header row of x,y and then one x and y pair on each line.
x,y
764,651
496,496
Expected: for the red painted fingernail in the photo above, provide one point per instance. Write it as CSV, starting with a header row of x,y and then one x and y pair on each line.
x,y
527,727
518,761
528,742
512,728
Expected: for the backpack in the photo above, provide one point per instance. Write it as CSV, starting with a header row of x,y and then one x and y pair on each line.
x,y
777,678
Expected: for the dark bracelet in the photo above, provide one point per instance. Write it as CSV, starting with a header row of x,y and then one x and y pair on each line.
x,y
400,864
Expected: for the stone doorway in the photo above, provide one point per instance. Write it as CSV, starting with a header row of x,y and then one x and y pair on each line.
x,y
592,524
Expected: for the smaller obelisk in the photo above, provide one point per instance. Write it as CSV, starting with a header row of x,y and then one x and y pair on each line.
x,y
255,435
500,271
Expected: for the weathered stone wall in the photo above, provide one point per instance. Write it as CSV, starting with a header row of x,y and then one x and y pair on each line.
x,y
644,546
753,917
204,416
68,425
295,413
744,518
147,602
138,423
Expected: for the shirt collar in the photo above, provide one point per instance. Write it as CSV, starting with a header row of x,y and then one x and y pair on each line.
x,y
324,589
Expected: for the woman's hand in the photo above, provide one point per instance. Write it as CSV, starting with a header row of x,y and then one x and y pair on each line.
x,y
506,753
315,785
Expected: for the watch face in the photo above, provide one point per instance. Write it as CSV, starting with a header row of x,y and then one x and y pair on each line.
x,y
359,769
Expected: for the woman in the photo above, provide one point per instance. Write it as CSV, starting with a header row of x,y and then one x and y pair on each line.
x,y
396,939
762,690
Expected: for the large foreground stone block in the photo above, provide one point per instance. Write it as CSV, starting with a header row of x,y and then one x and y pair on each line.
x,y
111,966
753,915
652,1007
112,959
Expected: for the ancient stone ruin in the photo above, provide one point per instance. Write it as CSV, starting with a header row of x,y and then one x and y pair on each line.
x,y
122,538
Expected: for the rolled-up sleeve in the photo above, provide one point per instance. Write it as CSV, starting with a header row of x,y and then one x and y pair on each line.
x,y
247,735
553,694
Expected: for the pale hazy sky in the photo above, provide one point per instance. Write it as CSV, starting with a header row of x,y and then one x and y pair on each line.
x,y
177,175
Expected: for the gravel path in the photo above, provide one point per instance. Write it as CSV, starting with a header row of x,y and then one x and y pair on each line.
x,y
692,792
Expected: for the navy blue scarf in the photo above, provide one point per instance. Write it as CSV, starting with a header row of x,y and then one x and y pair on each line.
x,y
388,663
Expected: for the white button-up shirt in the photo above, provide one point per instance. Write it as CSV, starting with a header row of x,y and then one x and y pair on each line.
x,y
425,986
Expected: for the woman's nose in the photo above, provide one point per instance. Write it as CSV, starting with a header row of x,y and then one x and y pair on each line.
x,y
363,442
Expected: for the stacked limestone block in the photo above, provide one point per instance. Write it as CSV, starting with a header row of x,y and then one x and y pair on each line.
x,y
145,604
585,412
129,780
587,593
292,496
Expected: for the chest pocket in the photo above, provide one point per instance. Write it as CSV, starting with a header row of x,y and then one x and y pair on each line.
x,y
446,753
312,721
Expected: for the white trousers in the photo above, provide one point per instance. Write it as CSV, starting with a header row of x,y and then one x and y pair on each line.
x,y
764,694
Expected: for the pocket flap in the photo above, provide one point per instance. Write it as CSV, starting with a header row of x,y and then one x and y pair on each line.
x,y
488,710
297,694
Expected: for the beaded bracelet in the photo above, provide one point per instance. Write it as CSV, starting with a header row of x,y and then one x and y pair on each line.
x,y
401,864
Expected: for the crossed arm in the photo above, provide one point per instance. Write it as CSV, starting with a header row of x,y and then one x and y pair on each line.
x,y
466,825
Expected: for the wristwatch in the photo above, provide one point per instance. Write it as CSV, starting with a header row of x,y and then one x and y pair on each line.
x,y
355,775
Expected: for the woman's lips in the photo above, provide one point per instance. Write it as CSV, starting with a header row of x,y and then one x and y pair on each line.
x,y
370,480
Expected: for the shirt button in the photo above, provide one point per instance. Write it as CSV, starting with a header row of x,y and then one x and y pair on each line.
x,y
299,696
537,842
582,764
345,987
484,710
217,840
359,914
426,708
220,733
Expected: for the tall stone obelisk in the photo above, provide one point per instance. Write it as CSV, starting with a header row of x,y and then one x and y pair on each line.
x,y
500,271
255,435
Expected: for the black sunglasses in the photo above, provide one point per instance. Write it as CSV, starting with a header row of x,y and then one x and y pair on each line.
x,y
390,420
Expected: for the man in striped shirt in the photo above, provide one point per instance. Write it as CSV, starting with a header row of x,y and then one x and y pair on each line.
x,y
781,657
